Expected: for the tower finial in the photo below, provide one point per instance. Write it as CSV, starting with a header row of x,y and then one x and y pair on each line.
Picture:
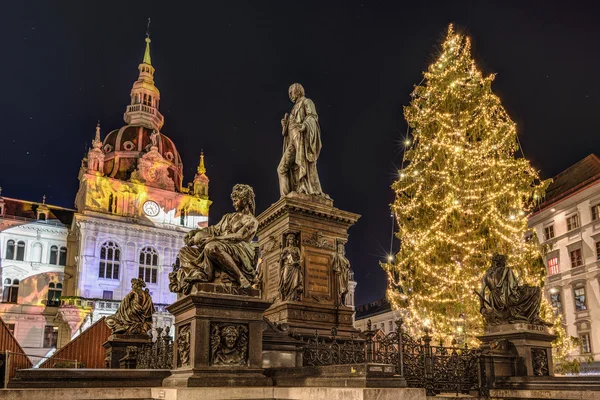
x,y
44,199
201,168
147,59
97,143
97,131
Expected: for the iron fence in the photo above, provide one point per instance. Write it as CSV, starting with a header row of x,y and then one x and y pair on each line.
x,y
158,354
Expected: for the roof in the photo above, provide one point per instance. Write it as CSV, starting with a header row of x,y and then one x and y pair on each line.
x,y
26,210
572,180
371,309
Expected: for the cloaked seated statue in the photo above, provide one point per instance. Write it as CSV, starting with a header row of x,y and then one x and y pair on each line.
x,y
507,302
222,253
134,315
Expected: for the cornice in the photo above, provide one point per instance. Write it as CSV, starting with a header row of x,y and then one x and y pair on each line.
x,y
131,227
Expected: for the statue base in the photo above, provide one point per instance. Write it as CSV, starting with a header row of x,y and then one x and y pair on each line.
x,y
218,341
117,353
319,228
519,349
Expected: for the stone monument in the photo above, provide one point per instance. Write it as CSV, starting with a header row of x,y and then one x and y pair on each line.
x,y
306,277
516,338
219,312
130,326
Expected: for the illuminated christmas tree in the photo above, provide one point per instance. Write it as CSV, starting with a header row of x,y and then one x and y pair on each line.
x,y
462,194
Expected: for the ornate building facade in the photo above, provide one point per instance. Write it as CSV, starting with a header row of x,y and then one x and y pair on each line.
x,y
131,214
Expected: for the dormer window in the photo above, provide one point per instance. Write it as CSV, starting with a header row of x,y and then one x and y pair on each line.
x,y
42,216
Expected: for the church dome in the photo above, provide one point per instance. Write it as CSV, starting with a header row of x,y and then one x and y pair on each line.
x,y
124,147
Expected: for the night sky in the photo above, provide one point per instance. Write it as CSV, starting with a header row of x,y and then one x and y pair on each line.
x,y
223,69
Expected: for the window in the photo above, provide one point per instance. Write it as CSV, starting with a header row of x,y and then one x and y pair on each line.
x,y
556,303
62,259
53,255
383,327
50,336
553,266
576,259
596,212
112,203
580,304
585,343
11,328
20,250
11,290
549,232
110,257
107,295
391,325
597,250
42,216
148,265
573,222
54,293
10,250
182,217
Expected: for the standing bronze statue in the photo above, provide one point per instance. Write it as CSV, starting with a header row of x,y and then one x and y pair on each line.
x,y
222,253
290,273
301,146
134,315
507,302
341,269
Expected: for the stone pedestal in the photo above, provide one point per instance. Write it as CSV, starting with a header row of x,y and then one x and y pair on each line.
x,y
117,349
519,349
319,228
218,340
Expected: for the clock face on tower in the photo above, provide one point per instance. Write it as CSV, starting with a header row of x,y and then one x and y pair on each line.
x,y
151,208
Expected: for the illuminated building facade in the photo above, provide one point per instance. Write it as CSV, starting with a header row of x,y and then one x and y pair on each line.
x,y
131,215
568,224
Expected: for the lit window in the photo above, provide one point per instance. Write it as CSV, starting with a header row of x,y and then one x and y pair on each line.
x,y
54,293
62,259
110,260
20,251
585,343
148,269
576,259
580,304
54,255
573,222
596,212
556,303
10,250
549,232
11,290
553,266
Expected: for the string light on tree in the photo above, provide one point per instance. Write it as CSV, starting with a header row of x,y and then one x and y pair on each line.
x,y
462,195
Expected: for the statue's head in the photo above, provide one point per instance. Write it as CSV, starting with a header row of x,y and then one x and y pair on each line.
x,y
229,336
290,239
295,92
137,283
243,197
341,249
498,260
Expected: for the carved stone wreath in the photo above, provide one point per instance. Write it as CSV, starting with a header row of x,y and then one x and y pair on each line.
x,y
318,240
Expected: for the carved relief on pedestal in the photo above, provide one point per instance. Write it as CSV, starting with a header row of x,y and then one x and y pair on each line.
x,y
319,240
228,344
183,346
539,361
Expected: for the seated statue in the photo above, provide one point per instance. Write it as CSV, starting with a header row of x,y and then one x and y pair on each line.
x,y
222,253
508,302
134,315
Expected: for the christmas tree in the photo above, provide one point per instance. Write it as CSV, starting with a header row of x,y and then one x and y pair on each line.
x,y
462,194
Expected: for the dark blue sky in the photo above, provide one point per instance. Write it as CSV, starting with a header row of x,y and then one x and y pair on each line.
x,y
224,67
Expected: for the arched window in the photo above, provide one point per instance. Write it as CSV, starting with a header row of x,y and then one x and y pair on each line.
x,y
11,290
20,250
148,265
53,255
36,252
111,200
10,250
54,293
62,256
110,259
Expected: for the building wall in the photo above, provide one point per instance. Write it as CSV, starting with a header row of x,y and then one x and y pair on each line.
x,y
569,277
385,321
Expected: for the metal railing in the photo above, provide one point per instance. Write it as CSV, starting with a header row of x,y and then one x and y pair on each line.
x,y
12,362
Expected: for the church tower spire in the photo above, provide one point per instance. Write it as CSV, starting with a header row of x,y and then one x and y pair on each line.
x,y
200,179
145,97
